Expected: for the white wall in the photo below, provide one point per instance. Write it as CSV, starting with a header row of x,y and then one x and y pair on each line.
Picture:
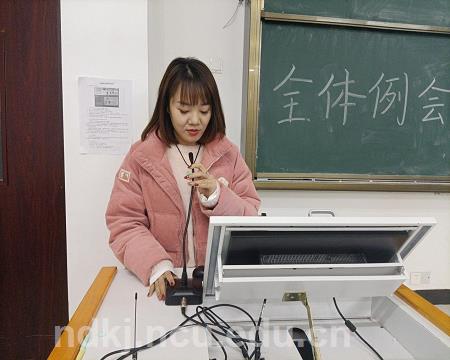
x,y
99,38
136,39
194,28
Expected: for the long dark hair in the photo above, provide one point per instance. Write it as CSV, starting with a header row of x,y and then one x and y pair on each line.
x,y
196,84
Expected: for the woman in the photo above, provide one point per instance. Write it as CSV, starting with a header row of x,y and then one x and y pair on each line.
x,y
150,198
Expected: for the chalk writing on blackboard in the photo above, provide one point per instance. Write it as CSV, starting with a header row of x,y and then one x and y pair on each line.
x,y
345,94
291,94
432,107
389,96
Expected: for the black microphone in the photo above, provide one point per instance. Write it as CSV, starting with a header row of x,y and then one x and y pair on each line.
x,y
184,292
191,158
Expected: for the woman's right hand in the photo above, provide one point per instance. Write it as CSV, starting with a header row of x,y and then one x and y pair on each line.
x,y
159,286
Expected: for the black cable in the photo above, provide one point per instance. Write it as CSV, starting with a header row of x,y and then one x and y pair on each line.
x,y
352,328
237,308
114,353
217,340
146,346
243,340
226,325
156,342
220,344
257,352
236,338
209,326
202,322
241,345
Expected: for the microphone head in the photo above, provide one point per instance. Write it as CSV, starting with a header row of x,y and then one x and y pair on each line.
x,y
191,157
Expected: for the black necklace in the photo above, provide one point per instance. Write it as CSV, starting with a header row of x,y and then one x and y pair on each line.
x,y
195,159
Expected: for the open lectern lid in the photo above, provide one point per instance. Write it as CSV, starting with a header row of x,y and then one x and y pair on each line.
x,y
241,240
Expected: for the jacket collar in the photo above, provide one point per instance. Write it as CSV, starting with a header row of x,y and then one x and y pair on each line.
x,y
214,150
150,153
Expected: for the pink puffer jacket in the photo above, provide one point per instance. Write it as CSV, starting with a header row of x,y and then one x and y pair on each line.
x,y
145,213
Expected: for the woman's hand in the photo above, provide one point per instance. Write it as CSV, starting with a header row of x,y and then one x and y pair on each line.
x,y
202,180
159,286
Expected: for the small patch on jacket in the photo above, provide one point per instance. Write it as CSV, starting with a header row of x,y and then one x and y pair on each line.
x,y
124,175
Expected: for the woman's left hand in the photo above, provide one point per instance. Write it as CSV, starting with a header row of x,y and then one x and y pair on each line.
x,y
202,180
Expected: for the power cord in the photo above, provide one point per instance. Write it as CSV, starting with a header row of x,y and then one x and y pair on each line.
x,y
352,328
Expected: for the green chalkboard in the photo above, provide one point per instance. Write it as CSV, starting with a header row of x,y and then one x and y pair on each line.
x,y
341,100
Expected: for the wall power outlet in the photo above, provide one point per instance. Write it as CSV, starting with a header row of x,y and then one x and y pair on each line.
x,y
420,278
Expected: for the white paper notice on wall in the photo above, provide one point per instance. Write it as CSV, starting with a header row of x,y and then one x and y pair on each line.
x,y
105,115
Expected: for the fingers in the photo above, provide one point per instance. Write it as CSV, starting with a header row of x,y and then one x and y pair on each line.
x,y
160,288
203,183
202,180
205,187
198,175
200,167
151,290
170,278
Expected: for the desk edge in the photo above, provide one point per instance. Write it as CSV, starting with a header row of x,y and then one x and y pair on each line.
x,y
71,338
432,313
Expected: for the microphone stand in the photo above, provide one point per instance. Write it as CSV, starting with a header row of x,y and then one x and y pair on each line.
x,y
183,292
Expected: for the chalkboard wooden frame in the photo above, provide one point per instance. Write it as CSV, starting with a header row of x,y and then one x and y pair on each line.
x,y
310,181
368,24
